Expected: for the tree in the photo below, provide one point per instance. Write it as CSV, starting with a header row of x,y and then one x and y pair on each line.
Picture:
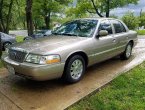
x,y
18,20
29,18
0,47
101,7
130,20
47,9
142,19
5,14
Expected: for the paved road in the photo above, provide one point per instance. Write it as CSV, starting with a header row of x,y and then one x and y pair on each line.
x,y
19,32
17,93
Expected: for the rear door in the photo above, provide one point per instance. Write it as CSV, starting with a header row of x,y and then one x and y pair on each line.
x,y
120,36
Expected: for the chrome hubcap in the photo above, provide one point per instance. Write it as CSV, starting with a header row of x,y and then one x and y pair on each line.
x,y
128,51
76,69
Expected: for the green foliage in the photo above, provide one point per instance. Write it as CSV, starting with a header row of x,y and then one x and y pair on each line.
x,y
18,20
127,92
86,6
130,20
43,12
141,32
46,13
5,14
142,19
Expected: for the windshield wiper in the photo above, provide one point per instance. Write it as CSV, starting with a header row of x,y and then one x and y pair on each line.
x,y
56,33
67,34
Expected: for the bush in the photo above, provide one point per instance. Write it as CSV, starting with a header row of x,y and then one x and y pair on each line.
x,y
131,21
142,20
141,32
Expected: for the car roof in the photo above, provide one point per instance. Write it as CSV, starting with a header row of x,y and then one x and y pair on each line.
x,y
103,18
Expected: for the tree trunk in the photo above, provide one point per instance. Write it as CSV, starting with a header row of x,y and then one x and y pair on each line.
x,y
107,8
29,17
96,9
4,24
9,17
1,16
47,21
0,47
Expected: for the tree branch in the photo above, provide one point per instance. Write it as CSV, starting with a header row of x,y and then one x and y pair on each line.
x,y
90,11
95,7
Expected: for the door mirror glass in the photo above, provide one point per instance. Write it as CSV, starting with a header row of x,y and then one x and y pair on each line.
x,y
103,33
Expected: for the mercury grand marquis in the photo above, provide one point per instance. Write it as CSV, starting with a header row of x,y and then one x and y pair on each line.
x,y
70,49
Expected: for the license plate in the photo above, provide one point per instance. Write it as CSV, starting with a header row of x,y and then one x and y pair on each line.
x,y
11,70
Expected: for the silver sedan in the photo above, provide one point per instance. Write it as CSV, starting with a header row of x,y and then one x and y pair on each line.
x,y
70,49
7,40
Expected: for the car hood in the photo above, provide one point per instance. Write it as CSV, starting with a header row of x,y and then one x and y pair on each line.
x,y
48,44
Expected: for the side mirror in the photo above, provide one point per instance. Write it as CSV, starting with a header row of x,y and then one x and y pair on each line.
x,y
103,33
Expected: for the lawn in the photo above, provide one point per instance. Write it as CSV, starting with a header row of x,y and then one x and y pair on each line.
x,y
141,32
19,38
127,92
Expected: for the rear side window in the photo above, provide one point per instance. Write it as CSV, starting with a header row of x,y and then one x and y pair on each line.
x,y
106,25
118,26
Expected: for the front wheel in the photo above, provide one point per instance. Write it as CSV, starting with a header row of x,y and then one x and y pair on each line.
x,y
127,53
74,69
7,44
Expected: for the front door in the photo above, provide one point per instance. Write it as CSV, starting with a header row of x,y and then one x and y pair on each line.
x,y
104,46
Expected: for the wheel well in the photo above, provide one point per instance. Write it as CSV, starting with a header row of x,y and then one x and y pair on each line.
x,y
81,54
132,42
6,42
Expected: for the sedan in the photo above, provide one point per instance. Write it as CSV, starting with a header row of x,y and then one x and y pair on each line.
x,y
38,34
7,40
70,49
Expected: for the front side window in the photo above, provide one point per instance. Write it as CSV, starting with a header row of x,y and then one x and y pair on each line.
x,y
82,28
118,26
106,25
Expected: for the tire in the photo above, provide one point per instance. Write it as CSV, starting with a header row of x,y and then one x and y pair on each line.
x,y
74,69
128,52
27,38
6,44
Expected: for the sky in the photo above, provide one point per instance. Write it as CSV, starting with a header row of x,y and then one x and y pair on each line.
x,y
131,7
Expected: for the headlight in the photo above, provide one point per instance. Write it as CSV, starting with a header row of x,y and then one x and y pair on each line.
x,y
38,59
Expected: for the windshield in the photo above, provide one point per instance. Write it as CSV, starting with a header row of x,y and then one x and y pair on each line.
x,y
82,28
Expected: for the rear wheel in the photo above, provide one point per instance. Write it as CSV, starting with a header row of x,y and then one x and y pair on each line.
x,y
27,38
127,53
74,69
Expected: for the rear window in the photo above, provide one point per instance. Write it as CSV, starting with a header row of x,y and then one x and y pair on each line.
x,y
118,26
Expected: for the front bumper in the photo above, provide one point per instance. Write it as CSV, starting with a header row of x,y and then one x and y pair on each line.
x,y
35,71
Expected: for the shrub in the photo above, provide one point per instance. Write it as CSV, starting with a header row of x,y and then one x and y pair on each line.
x,y
130,20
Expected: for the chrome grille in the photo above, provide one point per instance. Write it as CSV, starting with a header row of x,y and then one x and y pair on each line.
x,y
17,56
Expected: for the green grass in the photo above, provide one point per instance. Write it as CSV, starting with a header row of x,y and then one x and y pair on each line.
x,y
141,32
127,92
19,38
